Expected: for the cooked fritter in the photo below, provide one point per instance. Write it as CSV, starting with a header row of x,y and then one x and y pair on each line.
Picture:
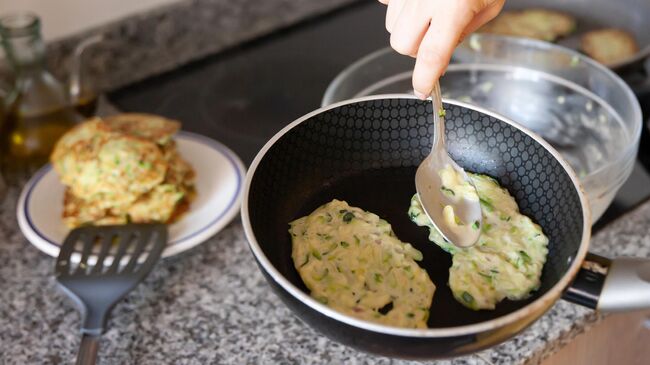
x,y
147,126
609,46
179,171
157,205
81,138
74,155
130,164
126,170
351,261
543,24
508,258
77,212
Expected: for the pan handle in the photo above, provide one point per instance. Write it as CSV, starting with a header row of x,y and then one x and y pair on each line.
x,y
621,284
588,283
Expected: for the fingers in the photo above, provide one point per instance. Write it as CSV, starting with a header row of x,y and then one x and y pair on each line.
x,y
393,12
484,16
438,44
409,28
429,64
430,30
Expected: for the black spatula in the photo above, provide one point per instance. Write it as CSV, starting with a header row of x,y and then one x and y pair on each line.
x,y
112,260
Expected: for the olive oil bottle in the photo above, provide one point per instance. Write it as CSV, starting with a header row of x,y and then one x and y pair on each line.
x,y
37,109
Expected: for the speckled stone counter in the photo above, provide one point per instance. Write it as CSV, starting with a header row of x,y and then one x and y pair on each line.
x,y
212,305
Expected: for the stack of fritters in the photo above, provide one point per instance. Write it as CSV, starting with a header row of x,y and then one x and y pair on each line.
x,y
121,169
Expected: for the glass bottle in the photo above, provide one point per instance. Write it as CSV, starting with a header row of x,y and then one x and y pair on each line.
x,y
37,110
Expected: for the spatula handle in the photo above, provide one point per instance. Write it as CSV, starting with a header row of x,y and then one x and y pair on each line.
x,y
88,350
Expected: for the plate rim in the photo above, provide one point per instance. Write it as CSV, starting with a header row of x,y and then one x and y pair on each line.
x,y
184,243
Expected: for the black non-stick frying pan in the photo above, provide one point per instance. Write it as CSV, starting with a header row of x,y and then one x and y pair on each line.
x,y
630,15
366,151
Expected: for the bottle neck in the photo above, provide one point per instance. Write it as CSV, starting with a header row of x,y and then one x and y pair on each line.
x,y
21,39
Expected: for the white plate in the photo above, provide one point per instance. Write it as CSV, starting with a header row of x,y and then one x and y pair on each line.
x,y
219,178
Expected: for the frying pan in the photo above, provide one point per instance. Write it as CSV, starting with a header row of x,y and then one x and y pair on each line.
x,y
366,151
630,15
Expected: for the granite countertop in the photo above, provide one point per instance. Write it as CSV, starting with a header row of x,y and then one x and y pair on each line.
x,y
212,305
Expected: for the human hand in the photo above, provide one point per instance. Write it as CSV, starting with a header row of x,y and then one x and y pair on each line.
x,y
429,30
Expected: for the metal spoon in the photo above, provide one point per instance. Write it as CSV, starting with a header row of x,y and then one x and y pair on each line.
x,y
464,230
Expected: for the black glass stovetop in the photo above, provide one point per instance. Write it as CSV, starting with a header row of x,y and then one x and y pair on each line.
x,y
244,95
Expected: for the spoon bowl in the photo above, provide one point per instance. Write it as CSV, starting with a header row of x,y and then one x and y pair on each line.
x,y
456,214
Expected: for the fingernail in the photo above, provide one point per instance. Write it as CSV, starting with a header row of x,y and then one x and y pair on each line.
x,y
420,95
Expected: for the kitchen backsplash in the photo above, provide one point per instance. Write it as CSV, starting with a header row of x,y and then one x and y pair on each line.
x,y
167,37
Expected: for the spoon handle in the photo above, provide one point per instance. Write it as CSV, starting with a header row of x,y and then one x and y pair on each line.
x,y
438,119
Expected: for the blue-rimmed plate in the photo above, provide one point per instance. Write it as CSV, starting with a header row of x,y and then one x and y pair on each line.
x,y
219,178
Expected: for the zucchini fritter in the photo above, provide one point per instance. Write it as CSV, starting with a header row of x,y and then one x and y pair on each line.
x,y
147,126
351,261
609,46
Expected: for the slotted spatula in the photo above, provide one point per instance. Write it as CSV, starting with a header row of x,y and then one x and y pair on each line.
x,y
124,256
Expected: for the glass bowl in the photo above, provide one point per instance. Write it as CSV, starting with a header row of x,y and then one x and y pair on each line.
x,y
583,109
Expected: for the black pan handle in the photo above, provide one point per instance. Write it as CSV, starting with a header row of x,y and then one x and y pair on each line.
x,y
608,285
